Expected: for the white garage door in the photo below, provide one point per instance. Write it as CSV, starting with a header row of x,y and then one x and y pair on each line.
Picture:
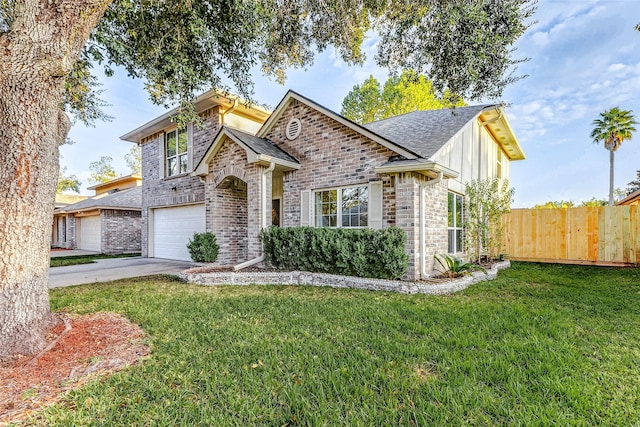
x,y
172,229
89,234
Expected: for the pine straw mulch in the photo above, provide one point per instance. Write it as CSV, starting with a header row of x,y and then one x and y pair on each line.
x,y
79,349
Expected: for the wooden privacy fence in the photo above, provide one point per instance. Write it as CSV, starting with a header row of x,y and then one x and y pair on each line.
x,y
606,235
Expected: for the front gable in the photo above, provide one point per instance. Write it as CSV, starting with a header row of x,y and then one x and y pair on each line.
x,y
294,100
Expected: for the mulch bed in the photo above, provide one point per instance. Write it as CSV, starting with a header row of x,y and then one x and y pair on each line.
x,y
79,349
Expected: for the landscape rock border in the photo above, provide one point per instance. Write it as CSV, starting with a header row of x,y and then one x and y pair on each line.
x,y
298,278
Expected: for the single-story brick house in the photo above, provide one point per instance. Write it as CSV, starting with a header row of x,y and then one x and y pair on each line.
x,y
306,165
108,222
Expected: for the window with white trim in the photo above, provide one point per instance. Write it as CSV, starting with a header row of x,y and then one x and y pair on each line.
x,y
342,207
176,152
455,211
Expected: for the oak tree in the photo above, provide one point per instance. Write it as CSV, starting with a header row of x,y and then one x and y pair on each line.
x,y
181,48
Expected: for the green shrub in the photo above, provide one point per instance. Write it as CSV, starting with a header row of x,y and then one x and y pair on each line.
x,y
350,252
203,247
455,267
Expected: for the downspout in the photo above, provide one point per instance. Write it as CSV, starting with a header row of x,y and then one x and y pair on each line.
x,y
263,218
423,231
230,110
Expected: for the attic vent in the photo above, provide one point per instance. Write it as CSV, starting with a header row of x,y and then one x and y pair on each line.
x,y
294,127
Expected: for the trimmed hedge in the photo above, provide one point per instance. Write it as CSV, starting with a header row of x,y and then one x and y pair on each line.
x,y
350,252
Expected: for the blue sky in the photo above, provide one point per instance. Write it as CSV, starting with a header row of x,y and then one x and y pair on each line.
x,y
584,59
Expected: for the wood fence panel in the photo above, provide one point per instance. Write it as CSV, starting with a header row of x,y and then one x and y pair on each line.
x,y
607,235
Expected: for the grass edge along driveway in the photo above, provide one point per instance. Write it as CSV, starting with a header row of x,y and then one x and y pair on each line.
x,y
540,345
62,261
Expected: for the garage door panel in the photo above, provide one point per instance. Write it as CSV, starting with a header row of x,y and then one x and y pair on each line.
x,y
173,228
90,233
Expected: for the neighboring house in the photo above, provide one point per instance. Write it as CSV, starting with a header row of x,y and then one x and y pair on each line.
x,y
59,229
631,199
108,222
309,166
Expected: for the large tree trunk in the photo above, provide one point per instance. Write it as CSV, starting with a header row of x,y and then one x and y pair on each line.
x,y
36,55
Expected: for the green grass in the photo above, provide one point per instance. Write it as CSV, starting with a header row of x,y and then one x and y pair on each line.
x,y
540,345
84,259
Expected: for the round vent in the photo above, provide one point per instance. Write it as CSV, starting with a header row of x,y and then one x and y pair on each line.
x,y
294,127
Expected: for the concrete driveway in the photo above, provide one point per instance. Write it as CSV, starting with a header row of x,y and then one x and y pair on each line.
x,y
104,270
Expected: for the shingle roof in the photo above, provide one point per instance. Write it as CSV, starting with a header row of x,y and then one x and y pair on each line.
x,y
260,145
425,132
126,199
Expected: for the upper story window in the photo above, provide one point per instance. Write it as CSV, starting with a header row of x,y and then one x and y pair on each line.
x,y
455,211
176,149
342,207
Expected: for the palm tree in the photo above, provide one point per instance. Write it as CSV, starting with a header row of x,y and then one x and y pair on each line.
x,y
612,128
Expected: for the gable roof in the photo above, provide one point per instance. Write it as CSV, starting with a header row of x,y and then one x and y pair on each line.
x,y
260,145
292,95
259,150
425,132
419,134
129,199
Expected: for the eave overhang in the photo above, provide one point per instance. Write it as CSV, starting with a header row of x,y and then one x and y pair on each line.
x,y
497,124
202,103
427,168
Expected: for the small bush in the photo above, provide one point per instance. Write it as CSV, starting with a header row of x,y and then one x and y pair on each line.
x,y
203,247
350,252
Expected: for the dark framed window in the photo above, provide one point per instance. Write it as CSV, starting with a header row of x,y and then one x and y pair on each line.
x,y
455,230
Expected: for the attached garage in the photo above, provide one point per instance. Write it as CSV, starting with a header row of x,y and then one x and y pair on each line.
x,y
89,233
172,228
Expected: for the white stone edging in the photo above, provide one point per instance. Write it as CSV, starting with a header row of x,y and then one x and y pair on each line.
x,y
337,281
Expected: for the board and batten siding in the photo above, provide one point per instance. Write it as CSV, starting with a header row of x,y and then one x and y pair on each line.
x,y
473,153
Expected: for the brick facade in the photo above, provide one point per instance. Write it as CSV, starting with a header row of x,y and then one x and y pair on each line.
x,y
176,190
120,231
331,155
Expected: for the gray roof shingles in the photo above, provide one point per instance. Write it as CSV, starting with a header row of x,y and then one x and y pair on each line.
x,y
425,132
130,198
260,145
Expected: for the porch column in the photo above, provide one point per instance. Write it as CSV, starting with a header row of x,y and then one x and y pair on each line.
x,y
407,218
259,200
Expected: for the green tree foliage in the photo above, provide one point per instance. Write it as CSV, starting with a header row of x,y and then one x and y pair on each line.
x,y
593,202
82,94
462,46
612,128
134,160
401,94
487,200
67,182
102,170
634,185
465,47
553,204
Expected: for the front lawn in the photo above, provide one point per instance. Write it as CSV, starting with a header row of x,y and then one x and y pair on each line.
x,y
62,261
540,345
